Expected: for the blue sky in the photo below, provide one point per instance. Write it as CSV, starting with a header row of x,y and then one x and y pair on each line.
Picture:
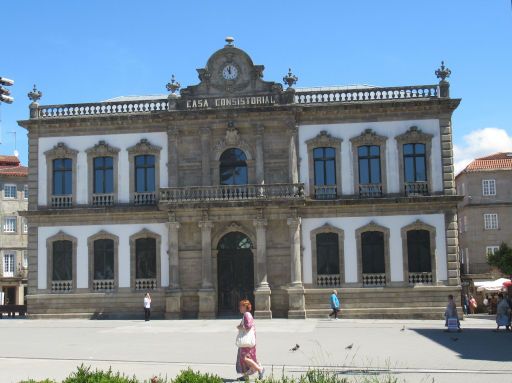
x,y
83,51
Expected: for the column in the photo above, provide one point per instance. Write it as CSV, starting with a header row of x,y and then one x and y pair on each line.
x,y
296,301
260,171
173,157
292,153
262,291
173,294
206,294
205,157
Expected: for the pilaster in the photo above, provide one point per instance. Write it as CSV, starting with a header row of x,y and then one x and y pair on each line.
x,y
262,292
173,157
206,178
260,171
206,294
452,245
296,299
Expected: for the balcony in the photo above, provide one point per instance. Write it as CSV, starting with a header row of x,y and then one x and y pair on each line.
x,y
374,280
103,199
227,193
61,201
146,198
328,280
145,284
103,285
325,192
370,191
61,286
423,278
413,189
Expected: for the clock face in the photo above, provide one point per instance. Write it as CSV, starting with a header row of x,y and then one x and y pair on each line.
x,y
230,72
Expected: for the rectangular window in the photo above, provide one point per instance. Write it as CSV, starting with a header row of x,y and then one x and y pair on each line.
x,y
25,192
491,221
463,189
103,175
62,176
465,226
327,253
488,187
103,259
415,163
369,164
9,261
145,173
25,226
62,261
324,160
25,259
491,249
10,225
10,191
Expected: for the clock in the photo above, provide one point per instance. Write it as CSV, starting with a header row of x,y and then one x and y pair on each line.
x,y
230,72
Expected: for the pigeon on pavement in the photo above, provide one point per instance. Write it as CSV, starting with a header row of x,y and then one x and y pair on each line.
x,y
295,348
349,347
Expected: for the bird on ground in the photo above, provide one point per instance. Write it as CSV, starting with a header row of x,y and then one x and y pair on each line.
x,y
403,329
349,347
295,348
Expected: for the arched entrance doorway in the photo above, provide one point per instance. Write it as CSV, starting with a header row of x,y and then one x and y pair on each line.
x,y
235,272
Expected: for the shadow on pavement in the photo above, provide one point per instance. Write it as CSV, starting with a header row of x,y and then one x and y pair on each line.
x,y
473,343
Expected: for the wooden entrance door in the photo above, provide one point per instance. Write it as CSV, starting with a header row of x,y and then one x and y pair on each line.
x,y
235,272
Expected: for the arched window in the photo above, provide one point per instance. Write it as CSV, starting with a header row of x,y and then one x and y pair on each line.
x,y
234,241
145,258
233,167
62,261
103,259
327,253
418,251
373,254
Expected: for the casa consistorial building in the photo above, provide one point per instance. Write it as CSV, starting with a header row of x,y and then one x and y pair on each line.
x,y
237,187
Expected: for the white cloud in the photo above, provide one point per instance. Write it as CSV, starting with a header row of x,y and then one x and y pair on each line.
x,y
481,143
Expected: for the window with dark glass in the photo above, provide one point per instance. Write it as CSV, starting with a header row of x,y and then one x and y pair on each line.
x,y
145,258
369,164
103,259
144,173
324,162
62,262
103,175
415,163
373,255
327,254
418,251
62,176
233,167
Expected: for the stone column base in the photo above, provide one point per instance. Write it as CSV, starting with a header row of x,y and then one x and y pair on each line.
x,y
173,304
206,304
296,302
262,303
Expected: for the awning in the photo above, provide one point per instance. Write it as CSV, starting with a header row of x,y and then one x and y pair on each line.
x,y
491,286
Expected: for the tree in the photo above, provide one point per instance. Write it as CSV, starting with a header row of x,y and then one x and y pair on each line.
x,y
502,259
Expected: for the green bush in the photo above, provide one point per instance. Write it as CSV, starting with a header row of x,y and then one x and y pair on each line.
x,y
189,376
38,381
86,375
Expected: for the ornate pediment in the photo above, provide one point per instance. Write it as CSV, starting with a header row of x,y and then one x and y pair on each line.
x,y
61,150
232,139
324,139
231,79
102,148
144,147
414,134
368,137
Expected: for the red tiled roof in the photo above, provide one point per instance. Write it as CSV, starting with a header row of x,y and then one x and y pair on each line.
x,y
10,166
497,161
9,160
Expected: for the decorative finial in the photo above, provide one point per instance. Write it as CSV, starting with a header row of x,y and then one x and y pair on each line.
x,y
173,86
290,79
443,72
35,94
229,40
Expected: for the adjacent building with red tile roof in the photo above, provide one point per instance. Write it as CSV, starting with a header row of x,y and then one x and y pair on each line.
x,y
11,166
497,161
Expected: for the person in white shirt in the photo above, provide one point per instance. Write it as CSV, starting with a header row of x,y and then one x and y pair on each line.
x,y
147,307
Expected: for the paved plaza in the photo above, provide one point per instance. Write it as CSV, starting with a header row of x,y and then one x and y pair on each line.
x,y
416,351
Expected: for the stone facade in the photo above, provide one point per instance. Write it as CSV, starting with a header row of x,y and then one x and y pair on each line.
x,y
485,184
236,201
13,234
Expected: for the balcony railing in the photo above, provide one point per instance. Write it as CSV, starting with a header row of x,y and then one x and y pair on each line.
x,y
370,190
328,280
231,193
374,280
61,201
145,284
103,199
416,189
148,198
424,278
366,94
61,286
325,191
103,285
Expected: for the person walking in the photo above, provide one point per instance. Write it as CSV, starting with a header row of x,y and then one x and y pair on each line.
x,y
452,318
147,307
502,313
246,360
335,305
472,304
465,304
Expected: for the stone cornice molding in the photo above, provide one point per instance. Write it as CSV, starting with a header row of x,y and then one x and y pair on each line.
x,y
368,137
102,148
61,150
324,139
144,147
413,134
